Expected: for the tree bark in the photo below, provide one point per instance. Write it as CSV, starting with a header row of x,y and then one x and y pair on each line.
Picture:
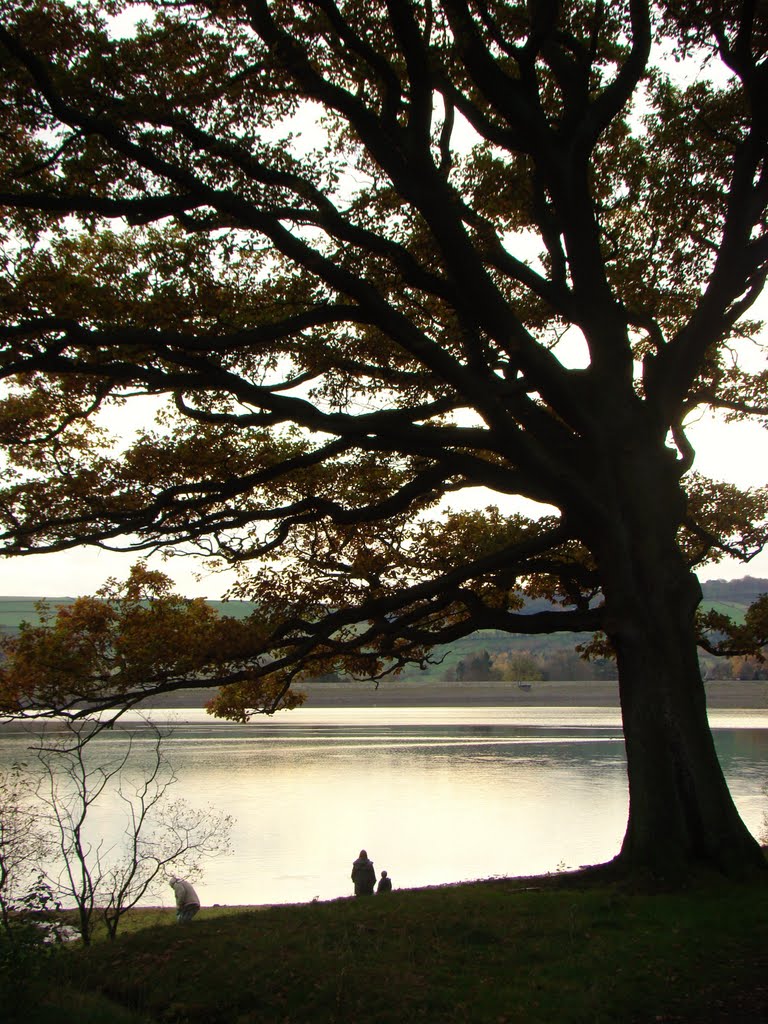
x,y
681,812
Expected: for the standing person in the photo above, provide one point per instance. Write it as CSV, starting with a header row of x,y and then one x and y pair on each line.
x,y
187,902
385,883
363,875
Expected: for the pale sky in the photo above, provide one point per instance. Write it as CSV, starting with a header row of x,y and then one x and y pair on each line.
x,y
737,453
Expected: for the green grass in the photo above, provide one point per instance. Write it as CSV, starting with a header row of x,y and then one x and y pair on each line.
x,y
15,610
541,951
735,611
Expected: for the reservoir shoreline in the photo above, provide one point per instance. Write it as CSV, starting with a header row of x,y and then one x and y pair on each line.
x,y
747,694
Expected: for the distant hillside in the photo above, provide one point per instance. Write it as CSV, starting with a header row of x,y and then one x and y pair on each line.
x,y
15,610
728,596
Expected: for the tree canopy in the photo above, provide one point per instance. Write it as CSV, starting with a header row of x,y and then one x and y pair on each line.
x,y
362,256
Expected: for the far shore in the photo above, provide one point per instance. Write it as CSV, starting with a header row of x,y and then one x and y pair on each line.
x,y
748,694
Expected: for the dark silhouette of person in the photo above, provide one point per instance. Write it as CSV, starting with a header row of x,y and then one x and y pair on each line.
x,y
385,883
363,875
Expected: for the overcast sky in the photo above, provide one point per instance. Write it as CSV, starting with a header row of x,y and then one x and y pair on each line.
x,y
737,453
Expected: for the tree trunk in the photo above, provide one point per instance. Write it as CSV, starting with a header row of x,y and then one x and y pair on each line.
x,y
680,809
681,812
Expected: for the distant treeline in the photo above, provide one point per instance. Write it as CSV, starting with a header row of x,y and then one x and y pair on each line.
x,y
743,591
518,664
498,656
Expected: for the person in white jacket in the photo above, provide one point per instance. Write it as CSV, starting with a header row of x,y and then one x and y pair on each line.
x,y
187,902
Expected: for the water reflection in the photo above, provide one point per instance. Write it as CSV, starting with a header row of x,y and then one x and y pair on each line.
x,y
434,795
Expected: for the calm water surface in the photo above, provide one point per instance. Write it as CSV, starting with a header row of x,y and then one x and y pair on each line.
x,y
434,794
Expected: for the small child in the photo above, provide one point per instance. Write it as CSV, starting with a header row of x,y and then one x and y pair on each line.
x,y
385,883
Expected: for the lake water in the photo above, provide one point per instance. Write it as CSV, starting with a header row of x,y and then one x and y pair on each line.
x,y
435,795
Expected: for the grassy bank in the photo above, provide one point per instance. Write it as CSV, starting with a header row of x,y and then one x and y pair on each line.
x,y
555,949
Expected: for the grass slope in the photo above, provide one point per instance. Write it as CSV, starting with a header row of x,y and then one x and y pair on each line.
x,y
555,950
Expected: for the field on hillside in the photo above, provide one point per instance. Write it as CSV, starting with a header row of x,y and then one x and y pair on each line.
x,y
443,661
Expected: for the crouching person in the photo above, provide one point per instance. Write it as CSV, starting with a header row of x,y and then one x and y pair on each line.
x,y
187,902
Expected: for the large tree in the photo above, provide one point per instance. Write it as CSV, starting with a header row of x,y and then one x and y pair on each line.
x,y
364,255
